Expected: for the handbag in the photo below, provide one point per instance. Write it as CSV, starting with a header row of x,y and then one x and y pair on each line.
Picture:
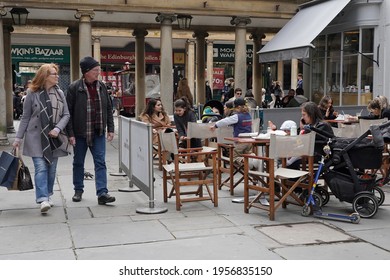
x,y
24,181
9,164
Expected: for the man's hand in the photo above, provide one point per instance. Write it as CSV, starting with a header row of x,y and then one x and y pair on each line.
x,y
72,141
110,136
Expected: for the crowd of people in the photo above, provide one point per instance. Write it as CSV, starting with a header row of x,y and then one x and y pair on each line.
x,y
51,122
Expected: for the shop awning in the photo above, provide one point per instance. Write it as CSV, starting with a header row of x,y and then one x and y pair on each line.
x,y
294,39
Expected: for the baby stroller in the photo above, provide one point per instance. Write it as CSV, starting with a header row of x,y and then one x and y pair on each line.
x,y
208,115
344,170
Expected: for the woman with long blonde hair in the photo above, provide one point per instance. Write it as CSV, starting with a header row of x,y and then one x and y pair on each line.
x,y
44,119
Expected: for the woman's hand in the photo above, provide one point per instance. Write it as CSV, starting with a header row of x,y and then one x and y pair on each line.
x,y
53,133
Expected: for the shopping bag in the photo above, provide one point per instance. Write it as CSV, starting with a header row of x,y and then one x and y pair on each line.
x,y
8,167
24,181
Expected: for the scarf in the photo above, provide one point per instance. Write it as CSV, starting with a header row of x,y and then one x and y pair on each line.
x,y
46,116
57,104
94,115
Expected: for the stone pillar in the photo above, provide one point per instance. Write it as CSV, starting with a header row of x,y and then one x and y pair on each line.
x,y
3,111
294,73
200,96
257,77
7,29
96,48
140,87
210,63
85,32
280,77
190,65
240,77
166,64
74,54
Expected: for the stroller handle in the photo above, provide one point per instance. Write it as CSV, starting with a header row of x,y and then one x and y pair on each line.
x,y
321,132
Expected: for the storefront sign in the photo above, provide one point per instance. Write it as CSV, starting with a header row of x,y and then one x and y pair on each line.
x,y
55,54
226,53
121,57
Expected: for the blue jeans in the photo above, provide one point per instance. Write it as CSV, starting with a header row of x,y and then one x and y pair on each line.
x,y
44,178
98,151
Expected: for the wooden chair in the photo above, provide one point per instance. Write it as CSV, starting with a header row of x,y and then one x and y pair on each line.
x,y
225,159
190,175
201,131
281,147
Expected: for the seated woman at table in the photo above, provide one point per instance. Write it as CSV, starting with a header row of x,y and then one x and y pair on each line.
x,y
182,116
376,109
155,114
326,108
311,115
242,123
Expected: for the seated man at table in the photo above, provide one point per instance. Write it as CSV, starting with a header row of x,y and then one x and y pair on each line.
x,y
242,123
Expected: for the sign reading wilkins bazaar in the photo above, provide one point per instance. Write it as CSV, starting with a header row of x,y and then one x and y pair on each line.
x,y
47,54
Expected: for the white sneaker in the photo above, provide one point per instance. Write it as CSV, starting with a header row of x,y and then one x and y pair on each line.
x,y
51,202
45,206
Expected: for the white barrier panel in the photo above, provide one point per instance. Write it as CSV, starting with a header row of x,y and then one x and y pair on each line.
x,y
136,160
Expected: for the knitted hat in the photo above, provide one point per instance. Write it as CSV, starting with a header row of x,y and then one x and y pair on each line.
x,y
88,63
239,102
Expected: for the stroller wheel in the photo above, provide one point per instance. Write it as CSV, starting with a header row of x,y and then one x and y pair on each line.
x,y
318,200
324,195
379,194
365,204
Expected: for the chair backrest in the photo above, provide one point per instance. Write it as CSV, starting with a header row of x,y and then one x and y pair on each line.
x,y
200,130
292,146
347,131
365,123
222,132
168,142
255,125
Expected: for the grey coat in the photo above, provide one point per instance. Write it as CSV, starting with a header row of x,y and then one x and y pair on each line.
x,y
30,125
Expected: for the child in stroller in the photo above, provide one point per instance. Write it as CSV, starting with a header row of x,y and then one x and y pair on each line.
x,y
345,168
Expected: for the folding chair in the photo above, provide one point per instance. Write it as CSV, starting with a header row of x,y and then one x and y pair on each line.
x,y
201,131
365,124
281,147
183,174
225,159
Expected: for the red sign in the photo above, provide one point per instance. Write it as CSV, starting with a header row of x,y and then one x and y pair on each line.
x,y
122,57
218,78
109,77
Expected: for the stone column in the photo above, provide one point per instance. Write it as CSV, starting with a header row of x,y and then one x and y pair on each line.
x,y
281,73
74,53
257,77
190,65
210,63
240,77
85,32
200,96
3,111
7,29
140,87
166,63
96,48
294,73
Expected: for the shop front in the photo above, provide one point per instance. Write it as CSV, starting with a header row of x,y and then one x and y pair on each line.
x,y
26,60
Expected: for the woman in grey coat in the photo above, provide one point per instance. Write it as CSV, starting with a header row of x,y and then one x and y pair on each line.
x,y
44,119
